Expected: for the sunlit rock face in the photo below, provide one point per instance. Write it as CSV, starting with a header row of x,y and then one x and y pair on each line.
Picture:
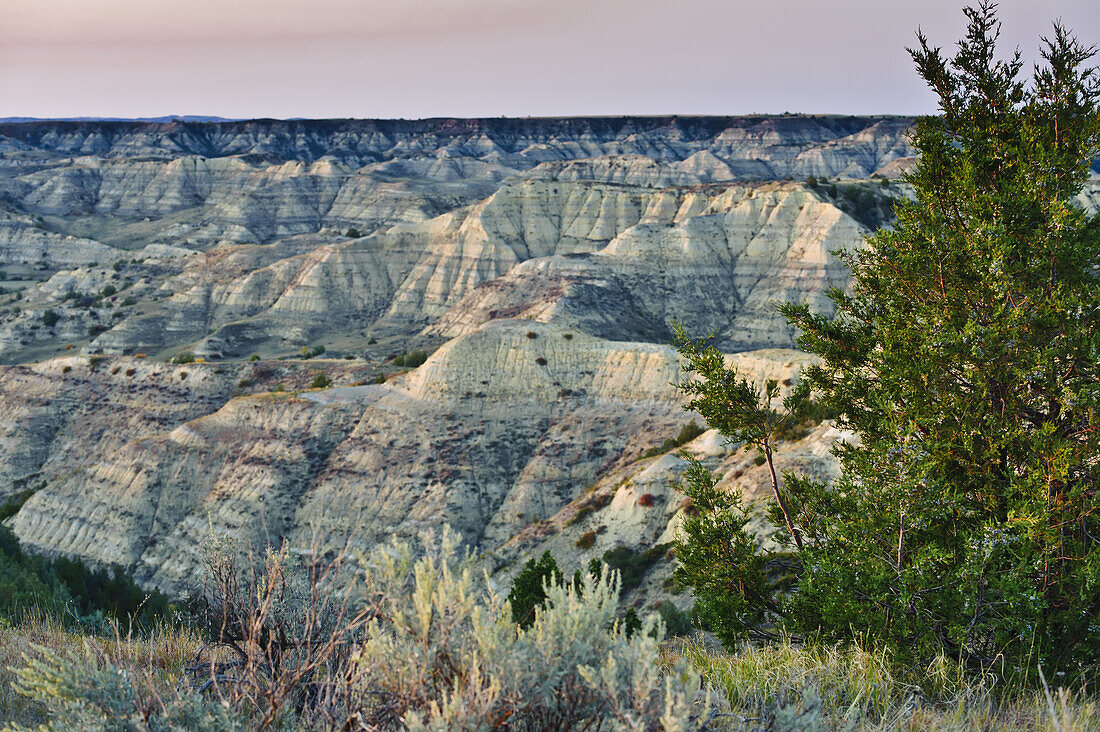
x,y
540,263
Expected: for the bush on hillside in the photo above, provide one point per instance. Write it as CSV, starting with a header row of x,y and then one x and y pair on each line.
x,y
410,359
529,589
686,434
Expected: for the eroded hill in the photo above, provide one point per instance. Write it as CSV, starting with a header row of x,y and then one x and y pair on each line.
x,y
538,264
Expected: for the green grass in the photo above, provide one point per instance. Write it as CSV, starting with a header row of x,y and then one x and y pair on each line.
x,y
788,686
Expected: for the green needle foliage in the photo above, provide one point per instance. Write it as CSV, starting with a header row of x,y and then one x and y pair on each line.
x,y
529,588
719,559
737,409
966,356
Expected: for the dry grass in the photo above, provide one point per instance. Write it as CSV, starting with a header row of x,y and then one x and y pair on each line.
x,y
785,686
777,687
158,658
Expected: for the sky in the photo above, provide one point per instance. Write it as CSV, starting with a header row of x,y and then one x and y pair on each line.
x,y
485,58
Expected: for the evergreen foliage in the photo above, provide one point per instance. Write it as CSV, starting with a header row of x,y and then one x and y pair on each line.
x,y
687,433
66,589
410,359
530,586
738,409
966,355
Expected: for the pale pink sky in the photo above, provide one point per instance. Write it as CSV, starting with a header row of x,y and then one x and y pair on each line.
x,y
467,58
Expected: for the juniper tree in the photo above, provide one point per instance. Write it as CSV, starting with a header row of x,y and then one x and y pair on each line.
x,y
966,356
738,409
529,588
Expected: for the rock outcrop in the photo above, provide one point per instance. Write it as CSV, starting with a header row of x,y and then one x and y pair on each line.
x,y
499,429
540,263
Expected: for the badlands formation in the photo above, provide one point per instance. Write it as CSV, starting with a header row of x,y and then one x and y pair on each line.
x,y
200,323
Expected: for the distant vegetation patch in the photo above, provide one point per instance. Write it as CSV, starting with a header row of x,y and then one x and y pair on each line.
x,y
813,414
687,433
410,359
634,565
870,204
66,589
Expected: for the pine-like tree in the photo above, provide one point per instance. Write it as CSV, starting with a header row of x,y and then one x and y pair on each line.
x,y
966,356
529,588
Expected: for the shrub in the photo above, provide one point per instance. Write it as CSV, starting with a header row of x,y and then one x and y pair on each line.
x,y
571,668
532,334
408,643
586,541
281,637
677,622
647,499
410,359
686,434
254,357
352,233
540,361
50,318
320,381
582,513
108,290
811,414
530,586
632,565
183,357
89,691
